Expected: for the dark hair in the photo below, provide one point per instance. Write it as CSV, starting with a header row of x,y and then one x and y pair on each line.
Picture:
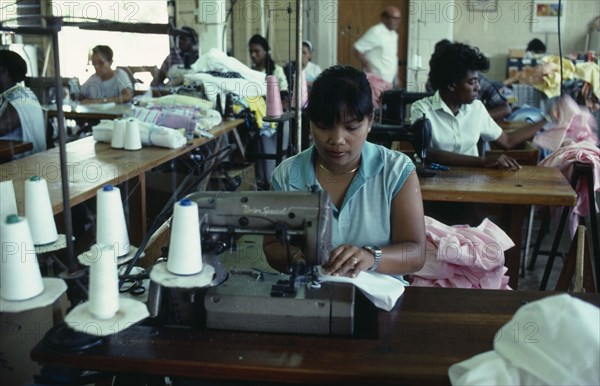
x,y
441,45
191,33
105,51
340,92
537,46
14,64
452,63
269,63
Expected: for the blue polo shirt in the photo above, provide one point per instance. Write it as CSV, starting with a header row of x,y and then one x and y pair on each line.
x,y
365,214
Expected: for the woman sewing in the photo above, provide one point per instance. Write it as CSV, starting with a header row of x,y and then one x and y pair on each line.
x,y
262,61
106,85
378,222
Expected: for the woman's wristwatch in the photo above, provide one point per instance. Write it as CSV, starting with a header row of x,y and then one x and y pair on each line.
x,y
376,252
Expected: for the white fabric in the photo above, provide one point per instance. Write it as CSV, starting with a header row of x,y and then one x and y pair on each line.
x,y
553,341
312,70
382,290
460,133
379,45
150,134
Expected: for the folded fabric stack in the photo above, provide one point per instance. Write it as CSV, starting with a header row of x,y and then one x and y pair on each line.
x,y
461,256
150,134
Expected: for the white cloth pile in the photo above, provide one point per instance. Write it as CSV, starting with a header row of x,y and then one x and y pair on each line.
x,y
553,341
150,134
251,84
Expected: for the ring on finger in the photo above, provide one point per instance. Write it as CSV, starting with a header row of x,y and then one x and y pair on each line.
x,y
354,260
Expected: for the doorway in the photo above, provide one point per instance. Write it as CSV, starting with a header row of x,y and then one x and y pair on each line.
x,y
355,17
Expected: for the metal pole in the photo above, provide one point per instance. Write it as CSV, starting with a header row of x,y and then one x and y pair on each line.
x,y
72,262
298,83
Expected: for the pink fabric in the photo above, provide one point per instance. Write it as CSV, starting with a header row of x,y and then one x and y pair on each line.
x,y
378,86
461,256
574,123
175,118
563,158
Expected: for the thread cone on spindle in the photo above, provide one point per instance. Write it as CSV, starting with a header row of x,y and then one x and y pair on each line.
x,y
228,114
8,202
38,210
219,105
274,106
104,282
304,90
20,275
133,140
185,251
111,228
118,133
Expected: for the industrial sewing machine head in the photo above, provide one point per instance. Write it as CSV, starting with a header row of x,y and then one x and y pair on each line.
x,y
418,134
257,299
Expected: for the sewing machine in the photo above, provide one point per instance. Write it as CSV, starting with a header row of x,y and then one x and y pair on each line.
x,y
418,134
251,299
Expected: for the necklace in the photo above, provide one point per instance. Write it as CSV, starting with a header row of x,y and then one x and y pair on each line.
x,y
338,174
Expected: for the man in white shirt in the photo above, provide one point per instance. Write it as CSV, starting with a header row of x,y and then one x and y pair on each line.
x,y
377,49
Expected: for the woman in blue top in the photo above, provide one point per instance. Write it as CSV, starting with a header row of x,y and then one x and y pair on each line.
x,y
377,207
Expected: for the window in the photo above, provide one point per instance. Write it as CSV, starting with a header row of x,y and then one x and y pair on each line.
x,y
130,49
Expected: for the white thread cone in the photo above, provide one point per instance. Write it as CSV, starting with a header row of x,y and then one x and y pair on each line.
x,y
104,282
118,134
185,251
8,202
110,220
19,273
132,140
38,210
274,106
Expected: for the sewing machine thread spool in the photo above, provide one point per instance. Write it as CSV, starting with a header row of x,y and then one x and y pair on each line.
x,y
104,282
38,210
304,90
8,202
132,140
274,106
118,134
185,250
19,270
111,228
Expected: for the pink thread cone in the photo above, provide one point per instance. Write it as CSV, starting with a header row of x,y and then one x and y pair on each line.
x,y
274,106
304,91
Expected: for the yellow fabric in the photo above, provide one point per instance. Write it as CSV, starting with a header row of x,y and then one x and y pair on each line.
x,y
259,107
589,72
549,81
550,67
182,100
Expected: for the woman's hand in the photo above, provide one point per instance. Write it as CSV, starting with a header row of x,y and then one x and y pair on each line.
x,y
501,161
348,260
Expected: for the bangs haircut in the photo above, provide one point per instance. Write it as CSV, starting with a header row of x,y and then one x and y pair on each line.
x,y
340,93
451,64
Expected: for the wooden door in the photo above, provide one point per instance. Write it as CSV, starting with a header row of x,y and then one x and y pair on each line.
x,y
355,17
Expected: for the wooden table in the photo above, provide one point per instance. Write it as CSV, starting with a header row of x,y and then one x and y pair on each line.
x,y
10,148
92,165
514,190
428,330
92,111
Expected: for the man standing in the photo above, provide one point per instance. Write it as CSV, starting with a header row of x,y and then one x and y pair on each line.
x,y
377,49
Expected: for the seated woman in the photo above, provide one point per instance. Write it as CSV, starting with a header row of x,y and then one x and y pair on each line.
x,y
106,85
179,60
458,119
21,116
375,193
262,61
